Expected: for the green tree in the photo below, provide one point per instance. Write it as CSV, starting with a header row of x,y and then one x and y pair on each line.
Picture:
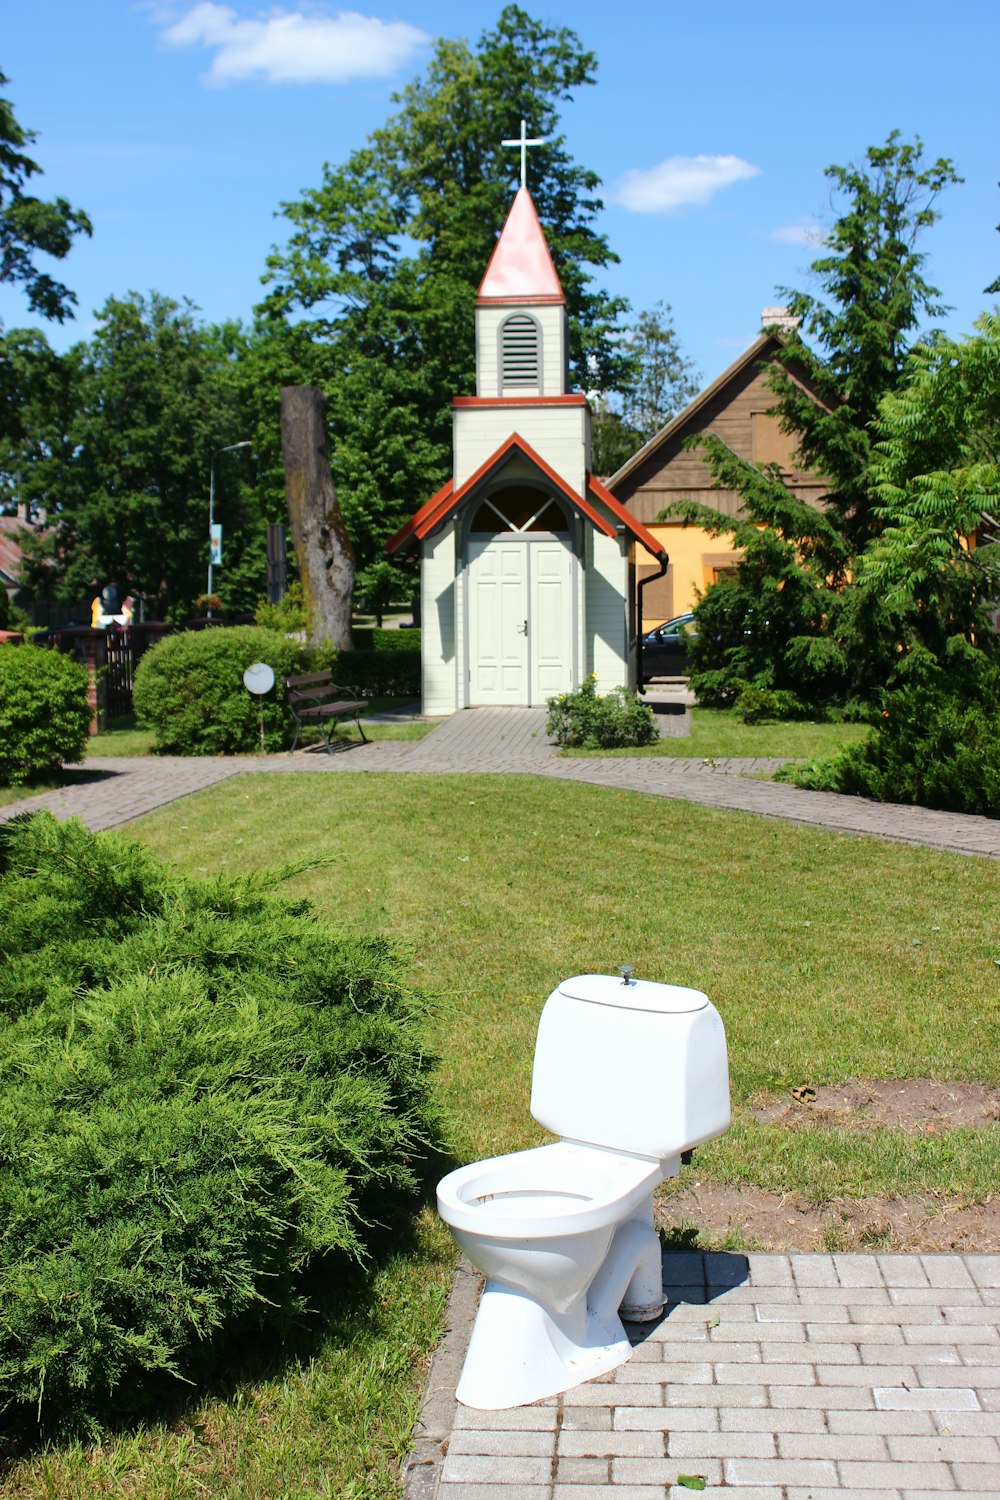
x,y
935,567
936,475
39,393
385,256
872,299
30,226
657,382
131,502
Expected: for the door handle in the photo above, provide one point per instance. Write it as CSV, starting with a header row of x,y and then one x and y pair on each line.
x,y
524,628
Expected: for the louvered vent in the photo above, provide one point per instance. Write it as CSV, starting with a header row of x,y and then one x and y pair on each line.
x,y
519,339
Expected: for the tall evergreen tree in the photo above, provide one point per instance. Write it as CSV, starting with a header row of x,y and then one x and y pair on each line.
x,y
936,475
822,641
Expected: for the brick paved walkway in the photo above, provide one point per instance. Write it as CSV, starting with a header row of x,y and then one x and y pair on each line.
x,y
512,741
784,1377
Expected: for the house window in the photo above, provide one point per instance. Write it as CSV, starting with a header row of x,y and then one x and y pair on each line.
x,y
520,344
519,508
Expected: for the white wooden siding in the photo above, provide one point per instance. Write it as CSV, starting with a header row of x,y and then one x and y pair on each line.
x,y
606,626
557,433
438,623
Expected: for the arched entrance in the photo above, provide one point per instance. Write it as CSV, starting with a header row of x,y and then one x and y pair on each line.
x,y
520,598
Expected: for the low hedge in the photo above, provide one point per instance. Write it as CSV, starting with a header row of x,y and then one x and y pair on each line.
x,y
205,1093
370,638
44,712
376,673
189,690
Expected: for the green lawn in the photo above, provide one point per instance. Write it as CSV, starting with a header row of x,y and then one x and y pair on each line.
x,y
123,738
829,958
716,734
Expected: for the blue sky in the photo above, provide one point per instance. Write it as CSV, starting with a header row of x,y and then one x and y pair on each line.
x,y
181,127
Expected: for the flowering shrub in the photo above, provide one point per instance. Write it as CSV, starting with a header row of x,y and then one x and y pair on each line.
x,y
584,721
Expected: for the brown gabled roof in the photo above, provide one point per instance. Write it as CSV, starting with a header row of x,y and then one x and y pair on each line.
x,y
765,345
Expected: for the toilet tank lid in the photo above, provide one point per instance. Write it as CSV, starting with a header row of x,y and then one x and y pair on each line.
x,y
637,994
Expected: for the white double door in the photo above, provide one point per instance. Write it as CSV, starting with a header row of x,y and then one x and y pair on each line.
x,y
520,601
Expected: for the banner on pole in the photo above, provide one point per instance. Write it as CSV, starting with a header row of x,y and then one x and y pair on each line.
x,y
215,543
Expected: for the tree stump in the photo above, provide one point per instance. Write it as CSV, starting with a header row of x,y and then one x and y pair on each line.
x,y
322,546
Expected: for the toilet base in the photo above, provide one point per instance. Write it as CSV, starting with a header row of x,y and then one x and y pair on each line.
x,y
521,1351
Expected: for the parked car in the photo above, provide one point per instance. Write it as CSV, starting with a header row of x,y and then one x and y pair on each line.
x,y
665,649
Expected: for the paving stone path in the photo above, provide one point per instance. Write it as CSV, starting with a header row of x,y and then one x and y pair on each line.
x,y
513,740
777,1377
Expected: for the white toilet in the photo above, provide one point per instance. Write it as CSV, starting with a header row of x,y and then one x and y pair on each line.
x,y
629,1074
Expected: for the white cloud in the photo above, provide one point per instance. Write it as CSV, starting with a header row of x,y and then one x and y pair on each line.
x,y
680,182
295,46
805,231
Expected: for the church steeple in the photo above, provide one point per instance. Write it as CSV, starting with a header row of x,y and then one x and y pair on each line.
x,y
521,268
521,312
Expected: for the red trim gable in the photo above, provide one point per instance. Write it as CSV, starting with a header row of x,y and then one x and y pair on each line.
x,y
449,499
644,537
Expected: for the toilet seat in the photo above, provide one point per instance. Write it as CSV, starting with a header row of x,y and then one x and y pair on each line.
x,y
562,1189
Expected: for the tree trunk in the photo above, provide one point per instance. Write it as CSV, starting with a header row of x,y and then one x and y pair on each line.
x,y
322,546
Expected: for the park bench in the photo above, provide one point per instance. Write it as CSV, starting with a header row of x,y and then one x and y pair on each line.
x,y
314,698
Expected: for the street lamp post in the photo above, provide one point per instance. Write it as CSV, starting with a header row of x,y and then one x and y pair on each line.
x,y
211,512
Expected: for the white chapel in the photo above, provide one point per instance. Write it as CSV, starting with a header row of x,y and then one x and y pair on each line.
x,y
527,563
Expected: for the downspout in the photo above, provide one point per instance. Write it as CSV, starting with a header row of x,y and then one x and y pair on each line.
x,y
664,562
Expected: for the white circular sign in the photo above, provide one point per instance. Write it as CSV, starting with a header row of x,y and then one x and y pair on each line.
x,y
259,678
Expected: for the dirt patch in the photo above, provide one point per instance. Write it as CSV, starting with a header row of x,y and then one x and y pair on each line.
x,y
709,1216
918,1105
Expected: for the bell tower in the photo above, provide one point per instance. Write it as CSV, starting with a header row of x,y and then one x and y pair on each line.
x,y
521,313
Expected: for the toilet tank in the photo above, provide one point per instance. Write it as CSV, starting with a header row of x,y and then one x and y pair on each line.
x,y
631,1065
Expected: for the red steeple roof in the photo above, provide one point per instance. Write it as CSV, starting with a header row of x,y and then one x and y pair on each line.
x,y
520,268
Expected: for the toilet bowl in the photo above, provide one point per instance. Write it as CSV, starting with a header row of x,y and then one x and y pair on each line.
x,y
629,1075
564,1236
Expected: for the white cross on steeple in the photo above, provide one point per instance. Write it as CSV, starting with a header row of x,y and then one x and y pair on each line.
x,y
523,142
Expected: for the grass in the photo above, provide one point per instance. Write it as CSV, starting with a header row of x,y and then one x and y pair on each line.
x,y
123,738
9,794
336,1424
828,956
716,734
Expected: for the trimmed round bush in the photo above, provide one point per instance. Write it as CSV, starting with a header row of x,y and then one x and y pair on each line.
x,y
207,1096
189,690
44,713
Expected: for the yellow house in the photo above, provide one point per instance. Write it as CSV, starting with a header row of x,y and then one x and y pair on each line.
x,y
736,407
